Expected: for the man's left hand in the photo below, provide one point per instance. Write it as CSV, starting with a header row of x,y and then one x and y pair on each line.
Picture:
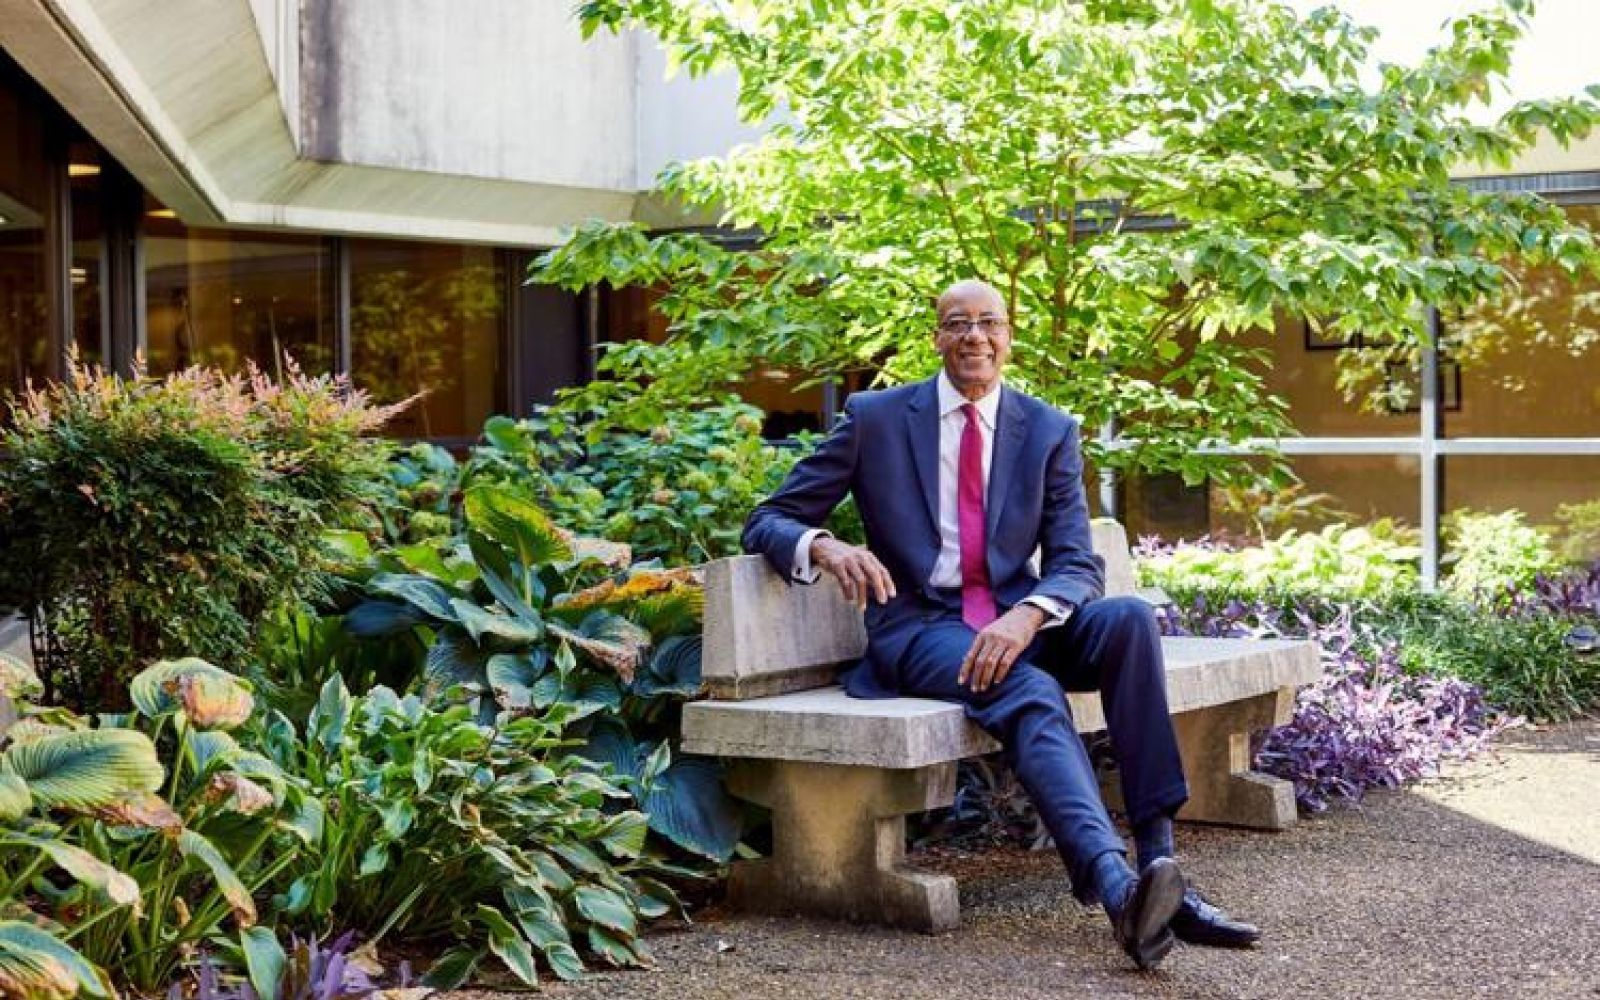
x,y
997,647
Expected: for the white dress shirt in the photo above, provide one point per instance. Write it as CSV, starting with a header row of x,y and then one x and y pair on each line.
x,y
947,567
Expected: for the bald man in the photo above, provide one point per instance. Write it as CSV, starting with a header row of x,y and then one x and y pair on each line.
x,y
980,587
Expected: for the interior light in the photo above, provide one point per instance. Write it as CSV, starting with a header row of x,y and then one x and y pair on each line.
x,y
162,213
80,276
83,170
4,220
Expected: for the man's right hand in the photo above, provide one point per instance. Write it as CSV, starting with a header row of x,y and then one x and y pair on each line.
x,y
858,571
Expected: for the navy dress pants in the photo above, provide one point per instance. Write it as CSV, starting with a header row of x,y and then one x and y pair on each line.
x,y
1111,645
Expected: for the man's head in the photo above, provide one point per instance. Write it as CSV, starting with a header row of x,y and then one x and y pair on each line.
x,y
973,335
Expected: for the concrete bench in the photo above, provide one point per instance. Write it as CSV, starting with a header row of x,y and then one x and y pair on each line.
x,y
840,774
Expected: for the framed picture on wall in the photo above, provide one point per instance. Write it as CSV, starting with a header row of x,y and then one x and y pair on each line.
x,y
1320,336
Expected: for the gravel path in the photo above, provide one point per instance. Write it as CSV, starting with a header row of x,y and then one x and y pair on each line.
x,y
1485,884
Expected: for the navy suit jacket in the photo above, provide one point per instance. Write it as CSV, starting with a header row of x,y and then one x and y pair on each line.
x,y
885,452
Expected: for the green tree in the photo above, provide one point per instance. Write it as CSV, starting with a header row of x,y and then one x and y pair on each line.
x,y
1142,179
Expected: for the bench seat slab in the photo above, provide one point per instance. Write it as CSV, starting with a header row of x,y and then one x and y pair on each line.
x,y
839,837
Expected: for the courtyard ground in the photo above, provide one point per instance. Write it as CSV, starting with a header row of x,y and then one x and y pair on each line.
x,y
1483,884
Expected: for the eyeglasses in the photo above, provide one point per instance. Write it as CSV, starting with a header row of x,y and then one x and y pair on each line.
x,y
958,326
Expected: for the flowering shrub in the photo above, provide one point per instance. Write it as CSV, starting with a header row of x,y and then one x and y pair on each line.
x,y
146,518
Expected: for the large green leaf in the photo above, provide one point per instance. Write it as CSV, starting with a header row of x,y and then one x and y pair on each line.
x,y
513,677
34,965
209,694
379,618
14,798
331,716
607,908
506,941
690,807
116,886
499,514
454,659
264,959
194,845
427,596
674,669
86,769
502,630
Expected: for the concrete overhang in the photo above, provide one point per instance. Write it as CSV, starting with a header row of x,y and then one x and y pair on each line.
x,y
182,94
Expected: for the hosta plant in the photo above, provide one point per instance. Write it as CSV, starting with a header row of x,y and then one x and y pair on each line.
x,y
495,836
158,819
519,616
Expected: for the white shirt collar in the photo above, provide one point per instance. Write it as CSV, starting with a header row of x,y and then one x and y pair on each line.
x,y
950,400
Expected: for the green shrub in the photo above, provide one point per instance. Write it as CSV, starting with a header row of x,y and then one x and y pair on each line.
x,y
1579,532
1490,554
1337,562
679,493
154,518
1519,658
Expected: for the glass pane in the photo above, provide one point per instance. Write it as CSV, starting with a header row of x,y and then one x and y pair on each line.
x,y
1355,489
90,331
1558,492
1303,371
428,318
790,406
219,298
1530,363
24,339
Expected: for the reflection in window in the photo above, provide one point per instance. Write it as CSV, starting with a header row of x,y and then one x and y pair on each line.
x,y
23,341
90,331
428,318
220,298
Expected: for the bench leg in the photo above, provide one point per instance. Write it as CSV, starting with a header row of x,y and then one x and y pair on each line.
x,y
839,840
1215,745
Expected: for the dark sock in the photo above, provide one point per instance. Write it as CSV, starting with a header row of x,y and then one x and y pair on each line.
x,y
1153,839
1111,879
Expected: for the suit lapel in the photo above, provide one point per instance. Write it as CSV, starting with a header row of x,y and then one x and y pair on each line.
x,y
1008,438
922,433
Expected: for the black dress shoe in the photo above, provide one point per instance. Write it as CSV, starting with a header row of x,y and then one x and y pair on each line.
x,y
1198,922
1140,918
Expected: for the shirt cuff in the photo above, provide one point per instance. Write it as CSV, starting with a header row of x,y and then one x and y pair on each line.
x,y
1055,612
800,565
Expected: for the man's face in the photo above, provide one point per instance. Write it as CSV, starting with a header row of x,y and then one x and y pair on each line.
x,y
974,337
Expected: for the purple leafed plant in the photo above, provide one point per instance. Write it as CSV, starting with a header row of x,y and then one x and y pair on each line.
x,y
1366,723
313,972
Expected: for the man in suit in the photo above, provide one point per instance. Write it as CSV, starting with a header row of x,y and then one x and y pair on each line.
x,y
980,586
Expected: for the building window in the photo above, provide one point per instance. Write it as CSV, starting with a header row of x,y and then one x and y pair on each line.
x,y
24,196
430,319
220,298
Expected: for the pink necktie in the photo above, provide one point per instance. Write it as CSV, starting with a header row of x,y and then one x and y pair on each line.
x,y
977,603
